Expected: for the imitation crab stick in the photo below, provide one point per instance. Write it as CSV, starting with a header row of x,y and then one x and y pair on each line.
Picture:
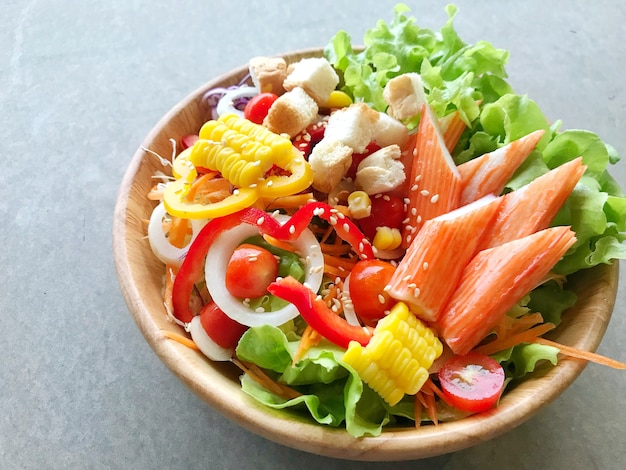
x,y
452,126
434,185
494,281
532,207
433,263
489,173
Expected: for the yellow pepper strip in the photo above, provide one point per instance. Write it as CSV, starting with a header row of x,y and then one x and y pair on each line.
x,y
243,152
396,360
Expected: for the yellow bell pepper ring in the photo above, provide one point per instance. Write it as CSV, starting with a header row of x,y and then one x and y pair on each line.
x,y
301,178
182,166
176,204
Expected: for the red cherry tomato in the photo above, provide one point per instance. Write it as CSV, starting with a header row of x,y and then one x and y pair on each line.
x,y
187,141
256,109
223,330
387,211
472,382
250,270
368,279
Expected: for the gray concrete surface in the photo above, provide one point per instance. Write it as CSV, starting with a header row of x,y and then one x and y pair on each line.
x,y
81,84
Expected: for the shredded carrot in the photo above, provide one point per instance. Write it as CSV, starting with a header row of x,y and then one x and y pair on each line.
x,y
338,262
310,338
156,193
327,235
180,339
197,184
431,408
178,231
283,245
527,336
259,376
581,354
335,249
417,413
430,385
335,272
289,202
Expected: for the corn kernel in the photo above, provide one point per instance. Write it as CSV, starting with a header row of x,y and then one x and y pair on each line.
x,y
387,238
338,99
360,204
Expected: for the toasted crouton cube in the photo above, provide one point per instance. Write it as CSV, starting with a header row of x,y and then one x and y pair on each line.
x,y
268,74
291,113
315,75
352,126
387,131
329,160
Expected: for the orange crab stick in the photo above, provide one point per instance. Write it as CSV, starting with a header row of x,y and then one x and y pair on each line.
x,y
494,281
434,185
532,207
489,173
433,263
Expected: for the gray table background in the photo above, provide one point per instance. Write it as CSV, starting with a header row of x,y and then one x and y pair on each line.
x,y
81,84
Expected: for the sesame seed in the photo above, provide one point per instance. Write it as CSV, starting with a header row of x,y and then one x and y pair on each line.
x,y
386,198
387,288
259,310
307,137
346,227
406,278
406,200
253,185
319,297
419,219
417,178
292,229
361,246
435,198
270,183
381,298
340,215
424,192
425,265
332,220
412,285
416,292
252,258
414,187
260,220
409,238
414,211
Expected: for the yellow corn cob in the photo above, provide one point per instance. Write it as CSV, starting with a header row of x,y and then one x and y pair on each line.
x,y
239,149
396,360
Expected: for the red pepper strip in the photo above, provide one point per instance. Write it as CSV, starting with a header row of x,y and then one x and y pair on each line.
x,y
192,267
291,230
309,137
317,315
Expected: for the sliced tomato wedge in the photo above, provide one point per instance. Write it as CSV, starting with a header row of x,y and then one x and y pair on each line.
x,y
473,382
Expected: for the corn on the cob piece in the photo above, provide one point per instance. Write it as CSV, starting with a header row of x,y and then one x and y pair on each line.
x,y
239,149
396,360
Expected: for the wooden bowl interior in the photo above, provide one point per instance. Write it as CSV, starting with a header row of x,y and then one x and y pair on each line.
x,y
141,279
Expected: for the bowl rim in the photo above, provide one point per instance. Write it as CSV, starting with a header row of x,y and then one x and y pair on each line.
x,y
217,387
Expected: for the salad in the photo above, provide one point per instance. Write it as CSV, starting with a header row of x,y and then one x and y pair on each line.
x,y
382,235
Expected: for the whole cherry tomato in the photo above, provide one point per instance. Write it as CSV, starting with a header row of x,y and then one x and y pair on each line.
x,y
387,211
257,108
250,270
368,279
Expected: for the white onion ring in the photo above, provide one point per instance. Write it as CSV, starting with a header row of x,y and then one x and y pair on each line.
x,y
226,103
215,274
205,344
160,245
348,307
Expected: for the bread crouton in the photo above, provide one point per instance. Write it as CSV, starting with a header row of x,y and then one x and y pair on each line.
x,y
291,113
268,74
387,131
329,160
381,171
352,126
405,95
315,75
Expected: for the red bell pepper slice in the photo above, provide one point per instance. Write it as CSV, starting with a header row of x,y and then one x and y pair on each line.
x,y
317,315
192,268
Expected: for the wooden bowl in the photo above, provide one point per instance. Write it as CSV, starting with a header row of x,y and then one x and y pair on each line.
x,y
141,279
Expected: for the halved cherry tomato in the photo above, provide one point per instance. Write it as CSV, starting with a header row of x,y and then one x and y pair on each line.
x,y
472,382
359,157
187,141
223,330
368,279
250,270
387,211
256,109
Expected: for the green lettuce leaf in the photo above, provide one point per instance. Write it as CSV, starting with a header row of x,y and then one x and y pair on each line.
x,y
332,391
525,358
